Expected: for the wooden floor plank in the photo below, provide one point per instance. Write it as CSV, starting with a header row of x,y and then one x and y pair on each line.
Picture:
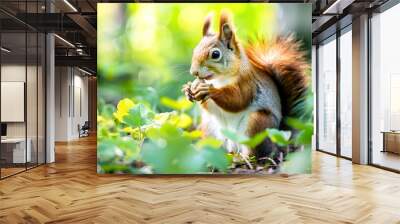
x,y
70,191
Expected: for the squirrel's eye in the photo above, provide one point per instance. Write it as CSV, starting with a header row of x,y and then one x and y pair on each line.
x,y
215,54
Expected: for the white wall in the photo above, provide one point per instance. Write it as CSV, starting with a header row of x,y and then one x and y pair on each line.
x,y
13,101
33,127
62,81
71,94
12,73
80,110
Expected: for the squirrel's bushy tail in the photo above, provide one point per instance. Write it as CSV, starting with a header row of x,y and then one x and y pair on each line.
x,y
283,59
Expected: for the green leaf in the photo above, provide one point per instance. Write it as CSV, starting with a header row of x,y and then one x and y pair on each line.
x,y
256,139
305,129
106,150
298,162
304,137
279,137
137,116
113,149
133,119
295,123
234,136
298,124
167,157
209,142
167,150
216,158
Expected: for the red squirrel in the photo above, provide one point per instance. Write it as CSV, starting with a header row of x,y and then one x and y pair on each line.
x,y
245,88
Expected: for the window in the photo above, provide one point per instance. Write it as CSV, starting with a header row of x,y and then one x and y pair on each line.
x,y
385,89
22,101
346,92
327,96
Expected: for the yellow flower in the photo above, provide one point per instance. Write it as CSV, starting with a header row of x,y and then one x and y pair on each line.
x,y
212,142
161,118
134,132
123,108
181,121
193,134
128,129
182,104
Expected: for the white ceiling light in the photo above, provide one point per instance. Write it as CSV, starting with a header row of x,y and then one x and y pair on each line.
x,y
79,51
337,7
5,50
70,5
65,41
84,71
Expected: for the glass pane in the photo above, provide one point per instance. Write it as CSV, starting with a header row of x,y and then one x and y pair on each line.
x,y
22,88
314,89
41,98
385,86
346,94
13,86
31,97
327,96
32,86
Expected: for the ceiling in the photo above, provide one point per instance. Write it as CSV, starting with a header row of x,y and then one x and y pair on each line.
x,y
75,22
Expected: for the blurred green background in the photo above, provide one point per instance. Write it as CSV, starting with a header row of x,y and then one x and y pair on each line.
x,y
145,125
145,50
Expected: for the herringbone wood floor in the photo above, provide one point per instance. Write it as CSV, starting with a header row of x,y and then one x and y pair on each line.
x,y
70,191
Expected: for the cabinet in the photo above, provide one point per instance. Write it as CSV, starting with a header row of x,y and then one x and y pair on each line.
x,y
391,142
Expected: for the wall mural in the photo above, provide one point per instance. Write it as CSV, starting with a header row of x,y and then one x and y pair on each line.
x,y
221,88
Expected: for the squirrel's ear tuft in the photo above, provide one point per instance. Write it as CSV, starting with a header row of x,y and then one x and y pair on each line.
x,y
227,31
207,24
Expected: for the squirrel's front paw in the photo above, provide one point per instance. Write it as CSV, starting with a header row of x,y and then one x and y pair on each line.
x,y
202,91
186,89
